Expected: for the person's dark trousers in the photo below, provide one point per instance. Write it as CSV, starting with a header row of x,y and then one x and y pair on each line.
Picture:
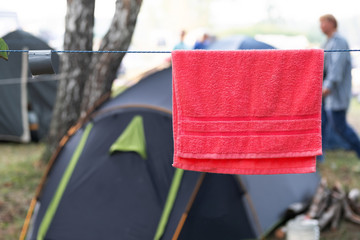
x,y
324,134
338,120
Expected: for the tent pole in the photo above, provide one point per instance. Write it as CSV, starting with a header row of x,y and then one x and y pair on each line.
x,y
188,207
40,187
54,203
23,86
37,194
50,164
27,219
250,204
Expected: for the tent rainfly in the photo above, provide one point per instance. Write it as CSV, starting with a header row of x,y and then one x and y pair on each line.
x,y
112,179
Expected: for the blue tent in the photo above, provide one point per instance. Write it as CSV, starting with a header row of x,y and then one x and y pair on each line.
x,y
135,193
238,42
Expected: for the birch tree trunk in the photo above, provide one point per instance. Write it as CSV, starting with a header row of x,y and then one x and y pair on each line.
x,y
87,76
105,65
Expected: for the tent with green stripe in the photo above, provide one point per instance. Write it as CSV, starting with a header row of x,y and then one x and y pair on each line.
x,y
112,178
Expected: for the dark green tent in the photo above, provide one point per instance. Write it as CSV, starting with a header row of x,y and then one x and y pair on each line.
x,y
16,96
112,179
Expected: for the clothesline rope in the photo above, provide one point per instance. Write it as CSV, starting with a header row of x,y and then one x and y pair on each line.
x,y
87,51
130,51
35,79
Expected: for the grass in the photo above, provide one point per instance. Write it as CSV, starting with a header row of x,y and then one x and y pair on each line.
x,y
21,170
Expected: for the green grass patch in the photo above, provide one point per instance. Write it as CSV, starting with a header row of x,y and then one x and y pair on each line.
x,y
341,166
20,172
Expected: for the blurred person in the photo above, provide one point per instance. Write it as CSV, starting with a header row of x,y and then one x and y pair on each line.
x,y
181,44
203,43
33,124
337,83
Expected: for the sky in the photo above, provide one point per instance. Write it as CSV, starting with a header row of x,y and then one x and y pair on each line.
x,y
244,9
223,13
160,21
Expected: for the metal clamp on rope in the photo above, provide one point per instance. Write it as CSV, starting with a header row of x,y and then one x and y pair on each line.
x,y
41,62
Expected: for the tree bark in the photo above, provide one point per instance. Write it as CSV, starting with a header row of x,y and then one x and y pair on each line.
x,y
79,24
105,65
87,76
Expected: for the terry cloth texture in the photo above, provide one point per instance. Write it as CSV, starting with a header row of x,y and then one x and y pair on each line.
x,y
248,111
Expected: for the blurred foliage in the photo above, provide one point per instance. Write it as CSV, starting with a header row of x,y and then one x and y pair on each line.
x,y
3,46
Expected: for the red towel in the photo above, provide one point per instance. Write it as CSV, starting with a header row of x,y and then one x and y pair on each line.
x,y
247,111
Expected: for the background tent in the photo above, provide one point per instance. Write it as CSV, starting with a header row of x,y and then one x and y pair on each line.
x,y
239,42
15,95
113,179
